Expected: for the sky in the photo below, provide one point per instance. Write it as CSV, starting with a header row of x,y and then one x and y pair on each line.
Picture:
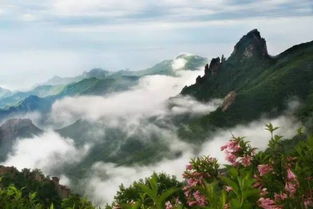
x,y
43,38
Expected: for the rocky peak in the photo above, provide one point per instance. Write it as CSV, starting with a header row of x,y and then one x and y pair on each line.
x,y
214,66
250,45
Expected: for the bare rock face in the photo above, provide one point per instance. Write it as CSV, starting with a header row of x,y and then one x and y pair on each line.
x,y
214,67
229,100
250,45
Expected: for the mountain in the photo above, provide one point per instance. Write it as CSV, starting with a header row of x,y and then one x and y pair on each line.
x,y
94,82
13,129
253,83
4,92
167,67
94,73
57,80
41,91
29,104
114,145
52,87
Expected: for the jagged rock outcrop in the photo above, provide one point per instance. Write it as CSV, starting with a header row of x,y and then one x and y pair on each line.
x,y
212,69
263,84
248,59
250,45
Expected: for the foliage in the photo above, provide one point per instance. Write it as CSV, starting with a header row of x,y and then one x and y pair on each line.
x,y
270,179
32,190
151,191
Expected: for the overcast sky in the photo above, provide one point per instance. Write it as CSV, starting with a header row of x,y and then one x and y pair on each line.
x,y
43,38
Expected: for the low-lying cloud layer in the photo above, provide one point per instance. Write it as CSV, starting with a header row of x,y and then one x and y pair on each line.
x,y
104,178
141,113
48,152
148,98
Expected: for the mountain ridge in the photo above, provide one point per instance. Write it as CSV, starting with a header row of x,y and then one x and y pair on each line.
x,y
262,83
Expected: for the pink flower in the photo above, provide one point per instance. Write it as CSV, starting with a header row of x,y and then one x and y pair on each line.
x,y
199,198
189,167
192,182
290,175
192,203
246,160
168,205
231,146
228,189
264,169
268,203
231,158
280,197
291,188
308,202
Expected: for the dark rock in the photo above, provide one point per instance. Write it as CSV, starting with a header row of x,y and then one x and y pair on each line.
x,y
215,65
250,45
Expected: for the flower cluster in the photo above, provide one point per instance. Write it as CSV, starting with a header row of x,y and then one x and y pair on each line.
x,y
172,205
291,183
199,171
268,203
264,169
238,152
270,179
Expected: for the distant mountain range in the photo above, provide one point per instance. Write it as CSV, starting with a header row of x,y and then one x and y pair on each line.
x,y
251,82
4,92
94,82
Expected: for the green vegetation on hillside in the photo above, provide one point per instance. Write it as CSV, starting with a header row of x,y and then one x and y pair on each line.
x,y
262,84
279,177
32,190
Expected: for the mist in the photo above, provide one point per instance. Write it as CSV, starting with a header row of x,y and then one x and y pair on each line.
x,y
142,113
104,179
48,152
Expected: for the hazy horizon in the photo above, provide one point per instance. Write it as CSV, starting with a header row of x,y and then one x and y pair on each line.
x,y
42,39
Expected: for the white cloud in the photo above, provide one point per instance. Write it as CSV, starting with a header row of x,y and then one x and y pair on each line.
x,y
148,98
179,63
104,178
97,7
254,132
48,152
29,17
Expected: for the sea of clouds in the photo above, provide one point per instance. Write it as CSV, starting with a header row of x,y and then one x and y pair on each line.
x,y
130,111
